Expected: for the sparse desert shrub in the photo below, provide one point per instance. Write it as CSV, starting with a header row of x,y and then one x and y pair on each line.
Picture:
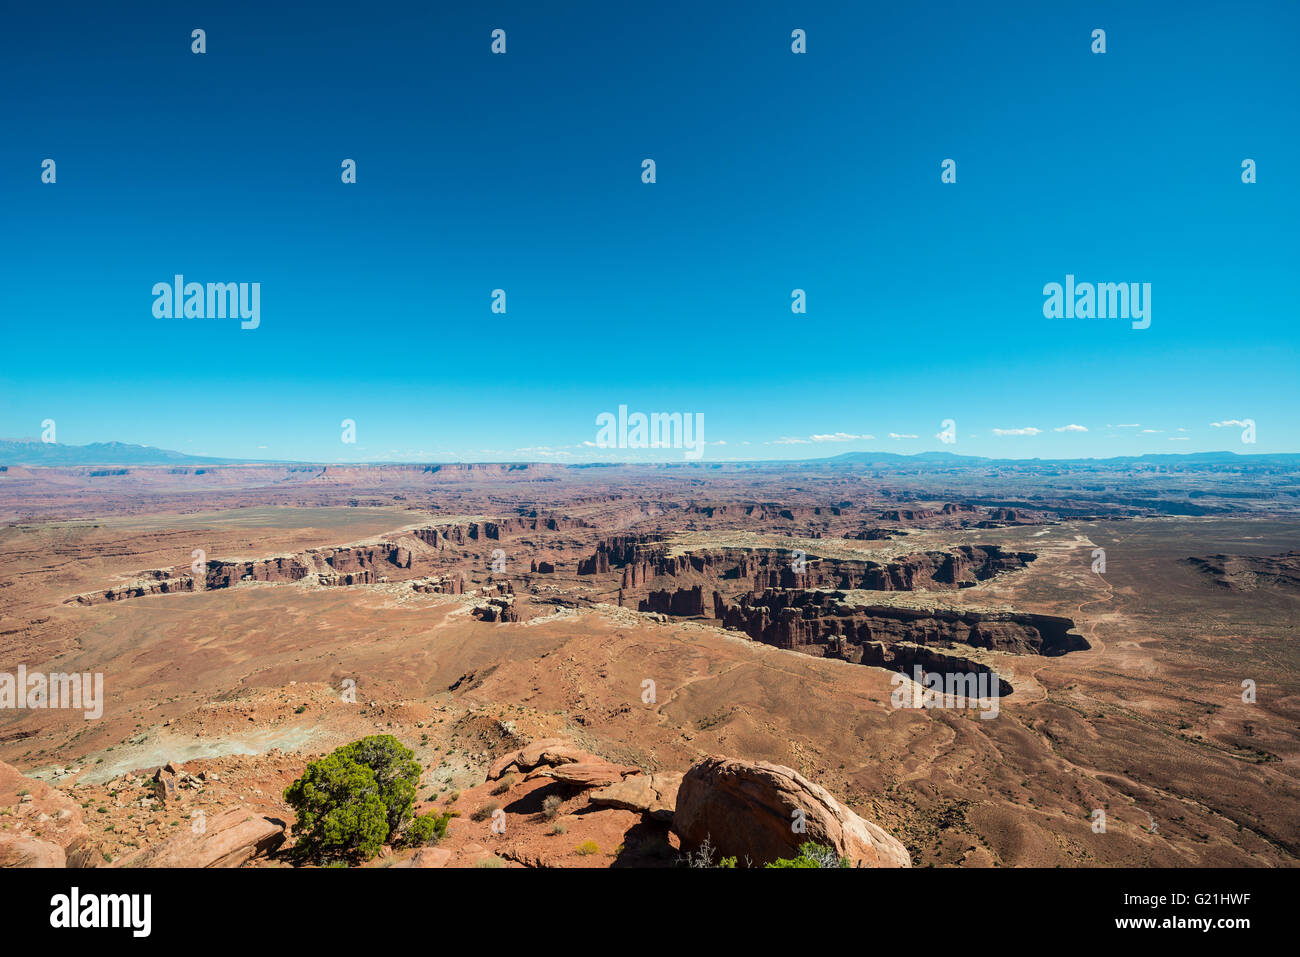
x,y
551,806
352,800
505,784
813,855
485,812
702,856
560,828
587,848
427,828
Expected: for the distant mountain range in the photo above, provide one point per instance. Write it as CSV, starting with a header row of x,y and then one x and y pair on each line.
x,y
37,453
33,452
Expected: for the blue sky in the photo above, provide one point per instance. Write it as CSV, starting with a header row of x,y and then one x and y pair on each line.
x,y
775,171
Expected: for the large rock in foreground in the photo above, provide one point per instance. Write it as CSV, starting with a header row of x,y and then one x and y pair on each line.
x,y
228,839
43,827
747,809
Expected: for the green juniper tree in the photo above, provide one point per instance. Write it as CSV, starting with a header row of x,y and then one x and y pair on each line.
x,y
353,800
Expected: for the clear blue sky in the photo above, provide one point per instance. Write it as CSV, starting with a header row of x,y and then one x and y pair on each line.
x,y
775,171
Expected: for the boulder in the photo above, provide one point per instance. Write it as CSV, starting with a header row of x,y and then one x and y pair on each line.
x,y
748,809
651,794
587,774
166,782
228,839
45,827
545,751
428,857
17,850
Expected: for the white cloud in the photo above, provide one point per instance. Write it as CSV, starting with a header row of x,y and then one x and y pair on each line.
x,y
1070,428
1179,438
788,440
839,437
1229,423
1028,430
1133,425
899,435
542,450
1152,431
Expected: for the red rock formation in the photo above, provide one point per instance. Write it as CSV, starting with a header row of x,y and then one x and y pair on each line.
x,y
744,809
685,602
228,839
907,514
872,534
136,589
1242,573
965,564
794,619
43,826
496,609
446,585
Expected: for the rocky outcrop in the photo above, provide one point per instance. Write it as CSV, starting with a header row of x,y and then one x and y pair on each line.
x,y
440,536
636,574
43,826
687,602
342,566
228,839
620,550
765,512
166,784
546,751
872,534
139,588
496,609
759,812
795,618
597,564
1243,573
587,774
907,514
444,585
906,657
654,795
283,568
962,566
